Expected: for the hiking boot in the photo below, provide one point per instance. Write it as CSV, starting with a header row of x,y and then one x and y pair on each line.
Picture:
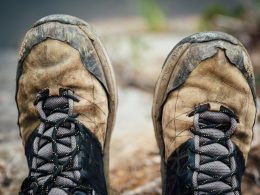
x,y
203,113
66,98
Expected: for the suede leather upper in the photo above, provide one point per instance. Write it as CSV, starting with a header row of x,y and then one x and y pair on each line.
x,y
63,52
54,64
215,81
210,68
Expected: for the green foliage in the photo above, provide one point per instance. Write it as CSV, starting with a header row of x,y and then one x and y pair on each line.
x,y
257,79
153,15
257,5
216,9
213,10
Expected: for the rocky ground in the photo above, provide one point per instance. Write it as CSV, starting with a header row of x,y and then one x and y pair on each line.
x,y
137,56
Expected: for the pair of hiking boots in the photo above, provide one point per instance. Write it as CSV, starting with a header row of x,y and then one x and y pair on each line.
x,y
203,111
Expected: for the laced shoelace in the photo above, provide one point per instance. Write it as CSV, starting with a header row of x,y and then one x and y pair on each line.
x,y
55,167
214,170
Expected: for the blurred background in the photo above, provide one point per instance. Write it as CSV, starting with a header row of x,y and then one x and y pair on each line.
x,y
138,35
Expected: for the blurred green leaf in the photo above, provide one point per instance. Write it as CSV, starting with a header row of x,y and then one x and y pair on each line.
x,y
216,9
153,15
257,79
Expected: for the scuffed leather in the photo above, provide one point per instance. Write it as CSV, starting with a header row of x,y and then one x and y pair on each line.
x,y
216,81
54,64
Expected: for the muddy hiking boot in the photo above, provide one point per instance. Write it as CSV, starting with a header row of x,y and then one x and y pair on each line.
x,y
66,98
204,112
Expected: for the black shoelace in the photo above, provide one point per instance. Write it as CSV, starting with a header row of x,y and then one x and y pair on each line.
x,y
55,165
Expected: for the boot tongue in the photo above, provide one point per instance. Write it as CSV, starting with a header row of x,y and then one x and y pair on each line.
x,y
55,102
57,191
214,126
56,144
219,120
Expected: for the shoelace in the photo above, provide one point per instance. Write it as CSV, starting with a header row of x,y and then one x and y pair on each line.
x,y
214,171
55,168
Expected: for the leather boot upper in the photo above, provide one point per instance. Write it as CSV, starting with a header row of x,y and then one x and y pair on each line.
x,y
52,65
218,82
66,101
203,112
